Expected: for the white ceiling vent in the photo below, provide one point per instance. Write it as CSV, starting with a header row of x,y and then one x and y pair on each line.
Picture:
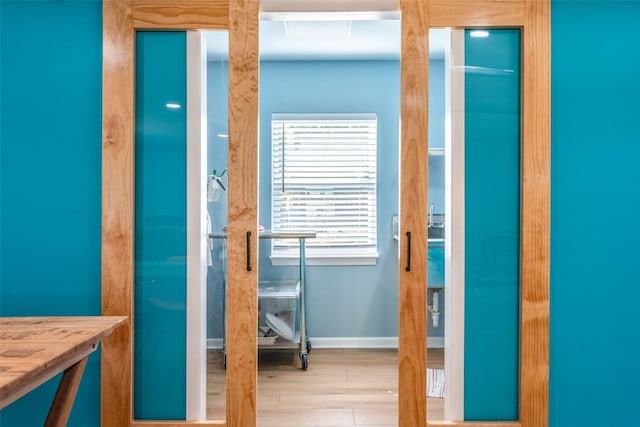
x,y
317,29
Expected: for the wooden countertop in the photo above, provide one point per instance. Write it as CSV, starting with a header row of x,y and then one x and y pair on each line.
x,y
35,349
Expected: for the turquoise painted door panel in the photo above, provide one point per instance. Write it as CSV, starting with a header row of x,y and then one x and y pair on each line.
x,y
160,227
492,228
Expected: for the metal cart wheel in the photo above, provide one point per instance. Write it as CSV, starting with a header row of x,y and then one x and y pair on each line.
x,y
304,361
308,345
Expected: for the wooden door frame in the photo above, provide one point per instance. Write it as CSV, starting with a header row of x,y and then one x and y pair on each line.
x,y
121,18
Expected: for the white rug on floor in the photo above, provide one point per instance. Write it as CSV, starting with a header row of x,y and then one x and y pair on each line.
x,y
435,382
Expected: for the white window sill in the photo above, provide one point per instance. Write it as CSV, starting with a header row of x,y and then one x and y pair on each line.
x,y
279,260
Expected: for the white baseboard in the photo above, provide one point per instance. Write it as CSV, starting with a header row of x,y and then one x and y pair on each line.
x,y
354,342
368,342
435,342
347,342
214,343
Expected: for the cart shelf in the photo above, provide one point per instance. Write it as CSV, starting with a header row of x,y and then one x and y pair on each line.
x,y
291,294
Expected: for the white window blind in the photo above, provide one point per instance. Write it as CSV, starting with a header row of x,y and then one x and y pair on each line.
x,y
324,181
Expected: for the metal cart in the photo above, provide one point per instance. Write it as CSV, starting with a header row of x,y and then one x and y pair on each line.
x,y
288,290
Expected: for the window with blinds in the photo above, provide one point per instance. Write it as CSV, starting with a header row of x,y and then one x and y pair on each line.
x,y
324,181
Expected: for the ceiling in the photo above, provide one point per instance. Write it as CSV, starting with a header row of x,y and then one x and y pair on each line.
x,y
323,37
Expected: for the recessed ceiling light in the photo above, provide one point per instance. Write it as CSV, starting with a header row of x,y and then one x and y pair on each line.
x,y
172,105
479,34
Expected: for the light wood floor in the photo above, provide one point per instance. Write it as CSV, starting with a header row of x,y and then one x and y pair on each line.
x,y
342,387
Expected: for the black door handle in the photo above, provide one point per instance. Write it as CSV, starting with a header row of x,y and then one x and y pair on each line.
x,y
408,267
248,251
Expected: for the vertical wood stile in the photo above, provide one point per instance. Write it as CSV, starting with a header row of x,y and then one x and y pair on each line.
x,y
117,209
412,334
242,299
535,264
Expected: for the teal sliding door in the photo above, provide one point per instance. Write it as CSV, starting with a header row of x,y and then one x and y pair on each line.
x,y
160,227
492,225
474,225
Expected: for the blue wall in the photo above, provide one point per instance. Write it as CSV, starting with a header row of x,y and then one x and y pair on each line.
x,y
343,301
595,200
217,128
53,266
50,178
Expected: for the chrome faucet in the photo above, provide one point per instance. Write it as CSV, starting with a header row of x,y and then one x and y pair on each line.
x,y
431,208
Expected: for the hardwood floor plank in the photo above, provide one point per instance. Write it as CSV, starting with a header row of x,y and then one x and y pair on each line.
x,y
367,417
298,417
342,387
339,401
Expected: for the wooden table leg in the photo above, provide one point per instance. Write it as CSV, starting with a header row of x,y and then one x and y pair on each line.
x,y
65,395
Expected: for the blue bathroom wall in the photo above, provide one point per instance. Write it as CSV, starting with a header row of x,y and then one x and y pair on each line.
x,y
492,225
436,134
595,200
159,382
343,301
50,179
436,103
217,159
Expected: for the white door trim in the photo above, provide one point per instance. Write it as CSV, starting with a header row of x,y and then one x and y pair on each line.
x,y
454,274
197,236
